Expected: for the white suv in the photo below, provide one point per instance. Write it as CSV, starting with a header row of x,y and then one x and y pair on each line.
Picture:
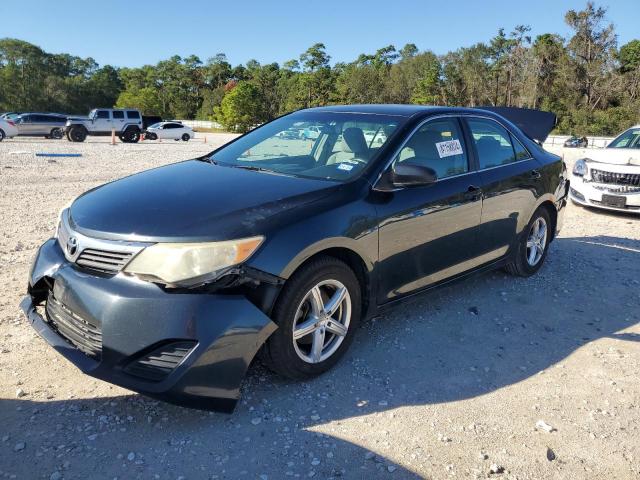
x,y
127,124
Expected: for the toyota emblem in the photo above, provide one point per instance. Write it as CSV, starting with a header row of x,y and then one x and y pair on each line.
x,y
72,246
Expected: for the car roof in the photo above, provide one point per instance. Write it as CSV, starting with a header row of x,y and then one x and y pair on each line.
x,y
390,109
44,113
535,124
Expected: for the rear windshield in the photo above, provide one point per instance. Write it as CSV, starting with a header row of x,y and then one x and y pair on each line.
x,y
327,145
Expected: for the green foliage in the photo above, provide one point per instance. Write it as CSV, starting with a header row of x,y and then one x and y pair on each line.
x,y
241,108
629,56
591,85
145,99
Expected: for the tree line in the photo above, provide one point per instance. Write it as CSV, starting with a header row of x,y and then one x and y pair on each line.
x,y
588,80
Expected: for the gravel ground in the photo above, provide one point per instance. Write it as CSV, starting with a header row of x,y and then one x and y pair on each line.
x,y
494,376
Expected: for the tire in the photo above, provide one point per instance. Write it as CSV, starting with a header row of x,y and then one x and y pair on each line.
x,y
56,134
525,263
130,136
151,136
297,359
2,135
77,134
185,137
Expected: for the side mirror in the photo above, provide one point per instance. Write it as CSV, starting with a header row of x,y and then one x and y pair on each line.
x,y
406,175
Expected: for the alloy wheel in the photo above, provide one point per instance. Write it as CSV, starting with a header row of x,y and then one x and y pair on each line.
x,y
537,241
321,321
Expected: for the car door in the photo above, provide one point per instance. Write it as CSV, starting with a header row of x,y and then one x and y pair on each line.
x,y
429,233
510,181
117,119
102,121
25,124
167,131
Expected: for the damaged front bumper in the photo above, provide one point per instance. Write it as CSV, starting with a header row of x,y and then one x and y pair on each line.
x,y
188,348
608,196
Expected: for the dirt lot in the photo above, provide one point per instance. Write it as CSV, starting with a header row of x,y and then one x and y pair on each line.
x,y
451,385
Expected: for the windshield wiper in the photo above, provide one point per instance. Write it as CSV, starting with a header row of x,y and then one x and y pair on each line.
x,y
257,169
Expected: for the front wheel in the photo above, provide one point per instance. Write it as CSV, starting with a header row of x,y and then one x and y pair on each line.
x,y
56,134
533,246
185,137
317,314
77,134
2,135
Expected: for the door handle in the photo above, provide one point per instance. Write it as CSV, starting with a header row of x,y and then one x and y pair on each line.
x,y
535,174
473,193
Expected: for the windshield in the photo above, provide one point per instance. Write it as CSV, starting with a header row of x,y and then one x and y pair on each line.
x,y
629,139
156,125
326,145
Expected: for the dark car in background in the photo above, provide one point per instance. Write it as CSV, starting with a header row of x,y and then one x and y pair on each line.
x,y
576,142
48,125
170,281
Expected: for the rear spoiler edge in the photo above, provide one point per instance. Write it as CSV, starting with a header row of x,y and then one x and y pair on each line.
x,y
536,124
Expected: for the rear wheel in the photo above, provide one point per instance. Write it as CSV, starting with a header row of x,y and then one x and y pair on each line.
x,y
77,134
56,133
185,137
533,246
130,136
317,314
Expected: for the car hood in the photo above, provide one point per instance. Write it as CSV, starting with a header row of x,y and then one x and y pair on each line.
x,y
194,201
615,156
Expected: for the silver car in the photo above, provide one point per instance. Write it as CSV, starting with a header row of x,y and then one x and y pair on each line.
x,y
48,125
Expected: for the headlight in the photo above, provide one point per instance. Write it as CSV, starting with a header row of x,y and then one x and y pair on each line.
x,y
580,168
189,264
59,222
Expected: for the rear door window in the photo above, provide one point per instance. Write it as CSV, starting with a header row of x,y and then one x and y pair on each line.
x,y
493,143
117,114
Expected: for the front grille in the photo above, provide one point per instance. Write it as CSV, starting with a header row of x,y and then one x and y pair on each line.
x,y
85,336
158,364
103,260
614,178
617,188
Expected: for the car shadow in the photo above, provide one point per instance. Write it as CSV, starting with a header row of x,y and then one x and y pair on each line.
x,y
458,342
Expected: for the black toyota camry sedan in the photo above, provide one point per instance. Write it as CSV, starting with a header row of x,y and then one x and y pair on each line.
x,y
169,282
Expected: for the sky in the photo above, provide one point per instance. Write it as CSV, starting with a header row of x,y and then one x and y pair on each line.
x,y
129,33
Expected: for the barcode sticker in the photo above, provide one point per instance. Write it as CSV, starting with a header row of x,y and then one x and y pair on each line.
x,y
449,148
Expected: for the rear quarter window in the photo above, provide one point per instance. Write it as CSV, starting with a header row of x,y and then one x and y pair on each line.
x,y
133,114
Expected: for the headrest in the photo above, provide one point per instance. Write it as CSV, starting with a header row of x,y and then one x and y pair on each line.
x,y
355,141
424,142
